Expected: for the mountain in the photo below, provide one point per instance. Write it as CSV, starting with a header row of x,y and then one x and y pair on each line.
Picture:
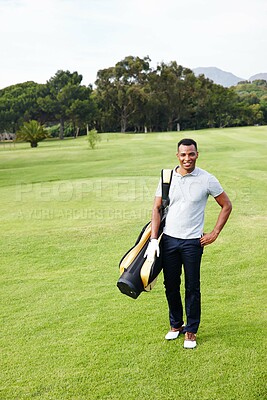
x,y
258,76
218,76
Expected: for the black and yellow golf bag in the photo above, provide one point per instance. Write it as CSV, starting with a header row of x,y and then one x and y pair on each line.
x,y
137,273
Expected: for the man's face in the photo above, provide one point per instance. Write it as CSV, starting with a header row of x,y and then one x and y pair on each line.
x,y
187,156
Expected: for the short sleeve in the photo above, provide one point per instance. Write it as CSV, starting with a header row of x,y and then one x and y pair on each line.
x,y
214,188
159,190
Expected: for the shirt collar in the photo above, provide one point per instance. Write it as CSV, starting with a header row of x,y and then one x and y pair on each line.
x,y
193,173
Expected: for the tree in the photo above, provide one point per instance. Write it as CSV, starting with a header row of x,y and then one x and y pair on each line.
x,y
18,103
83,110
263,104
120,89
64,90
32,132
174,86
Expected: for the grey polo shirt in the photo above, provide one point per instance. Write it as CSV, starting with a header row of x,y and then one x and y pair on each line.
x,y
188,198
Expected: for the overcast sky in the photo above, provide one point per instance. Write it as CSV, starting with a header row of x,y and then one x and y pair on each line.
x,y
39,37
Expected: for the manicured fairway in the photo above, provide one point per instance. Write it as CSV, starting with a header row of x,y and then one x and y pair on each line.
x,y
67,216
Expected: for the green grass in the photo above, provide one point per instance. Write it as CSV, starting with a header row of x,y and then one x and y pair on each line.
x,y
67,216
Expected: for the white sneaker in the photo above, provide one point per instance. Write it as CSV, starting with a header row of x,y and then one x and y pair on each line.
x,y
173,333
190,340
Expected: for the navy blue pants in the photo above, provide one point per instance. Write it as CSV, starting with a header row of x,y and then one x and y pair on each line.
x,y
186,252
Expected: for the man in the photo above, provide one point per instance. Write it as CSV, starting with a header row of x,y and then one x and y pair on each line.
x,y
183,238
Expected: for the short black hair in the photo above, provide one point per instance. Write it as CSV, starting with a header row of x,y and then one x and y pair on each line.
x,y
187,142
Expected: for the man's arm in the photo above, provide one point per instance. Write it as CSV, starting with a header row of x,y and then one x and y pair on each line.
x,y
226,208
156,217
153,247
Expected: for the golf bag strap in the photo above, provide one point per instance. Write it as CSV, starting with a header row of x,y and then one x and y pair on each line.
x,y
166,177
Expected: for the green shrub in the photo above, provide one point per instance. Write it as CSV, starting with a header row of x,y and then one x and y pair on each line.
x,y
93,138
32,132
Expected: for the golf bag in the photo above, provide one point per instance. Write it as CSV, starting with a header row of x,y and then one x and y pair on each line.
x,y
137,273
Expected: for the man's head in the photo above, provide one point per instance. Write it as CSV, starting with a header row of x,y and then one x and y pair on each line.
x,y
187,155
187,142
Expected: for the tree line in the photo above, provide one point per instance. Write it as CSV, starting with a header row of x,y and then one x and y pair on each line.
x,y
132,96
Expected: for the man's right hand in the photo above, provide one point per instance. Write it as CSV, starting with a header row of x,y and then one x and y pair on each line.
x,y
152,250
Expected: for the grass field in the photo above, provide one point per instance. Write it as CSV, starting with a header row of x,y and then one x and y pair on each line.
x,y
67,216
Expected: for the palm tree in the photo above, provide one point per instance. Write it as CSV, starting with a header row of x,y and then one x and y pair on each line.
x,y
32,132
